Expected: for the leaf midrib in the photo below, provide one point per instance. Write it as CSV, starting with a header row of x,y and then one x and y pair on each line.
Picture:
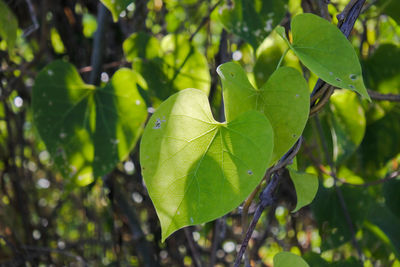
x,y
217,130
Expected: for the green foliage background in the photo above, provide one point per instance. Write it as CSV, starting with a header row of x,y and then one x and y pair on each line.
x,y
79,82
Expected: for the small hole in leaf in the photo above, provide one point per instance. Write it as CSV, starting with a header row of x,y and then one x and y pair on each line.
x,y
339,80
249,172
331,73
351,86
294,135
353,77
297,95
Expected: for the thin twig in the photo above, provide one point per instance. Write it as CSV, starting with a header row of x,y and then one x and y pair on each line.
x,y
367,6
321,90
349,221
204,21
144,248
338,191
285,160
266,200
383,97
110,65
192,247
35,24
266,197
218,233
323,100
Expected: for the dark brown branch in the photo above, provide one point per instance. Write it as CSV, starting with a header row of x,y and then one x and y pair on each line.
x,y
266,197
266,200
383,97
350,15
346,24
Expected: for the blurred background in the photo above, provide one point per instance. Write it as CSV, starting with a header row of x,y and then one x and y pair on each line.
x,y
48,219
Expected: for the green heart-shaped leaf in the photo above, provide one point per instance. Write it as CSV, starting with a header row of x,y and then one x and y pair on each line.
x,y
197,169
306,186
323,48
288,259
116,7
87,129
253,20
284,99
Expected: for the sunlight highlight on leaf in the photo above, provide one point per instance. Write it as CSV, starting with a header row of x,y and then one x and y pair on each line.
x,y
197,169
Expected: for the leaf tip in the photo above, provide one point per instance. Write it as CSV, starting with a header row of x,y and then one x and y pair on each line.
x,y
366,96
281,31
285,258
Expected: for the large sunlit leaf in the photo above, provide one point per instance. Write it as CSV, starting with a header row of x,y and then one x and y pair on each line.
x,y
169,66
306,186
253,20
197,169
116,7
284,99
323,48
8,25
288,259
87,130
347,123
